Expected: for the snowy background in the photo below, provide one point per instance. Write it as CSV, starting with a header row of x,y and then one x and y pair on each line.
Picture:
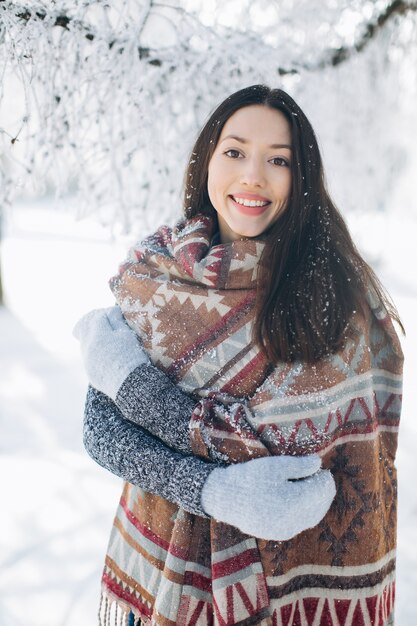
x,y
78,113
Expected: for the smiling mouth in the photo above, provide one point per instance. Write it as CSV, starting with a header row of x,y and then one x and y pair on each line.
x,y
250,207
245,202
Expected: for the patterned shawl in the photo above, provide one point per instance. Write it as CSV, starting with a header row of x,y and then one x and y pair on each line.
x,y
193,307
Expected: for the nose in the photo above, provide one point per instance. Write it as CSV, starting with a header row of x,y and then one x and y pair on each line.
x,y
252,174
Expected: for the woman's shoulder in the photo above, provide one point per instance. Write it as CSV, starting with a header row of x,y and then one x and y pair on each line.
x,y
372,328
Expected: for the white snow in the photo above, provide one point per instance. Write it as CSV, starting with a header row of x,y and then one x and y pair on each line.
x,y
57,504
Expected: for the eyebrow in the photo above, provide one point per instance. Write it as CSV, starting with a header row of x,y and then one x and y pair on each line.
x,y
275,146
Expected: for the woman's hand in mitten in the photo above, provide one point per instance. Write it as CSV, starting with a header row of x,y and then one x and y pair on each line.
x,y
273,498
110,349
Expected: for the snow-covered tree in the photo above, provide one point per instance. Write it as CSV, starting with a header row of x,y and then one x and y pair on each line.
x,y
104,97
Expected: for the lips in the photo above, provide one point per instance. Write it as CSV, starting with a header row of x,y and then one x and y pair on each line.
x,y
250,210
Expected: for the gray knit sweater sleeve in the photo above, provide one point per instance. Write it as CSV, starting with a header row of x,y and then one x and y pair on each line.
x,y
149,398
133,454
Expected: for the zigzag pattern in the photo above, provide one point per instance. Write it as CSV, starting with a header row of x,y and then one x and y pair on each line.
x,y
376,610
239,603
236,427
358,419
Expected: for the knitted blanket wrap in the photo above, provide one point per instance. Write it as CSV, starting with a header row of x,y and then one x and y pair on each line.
x,y
193,307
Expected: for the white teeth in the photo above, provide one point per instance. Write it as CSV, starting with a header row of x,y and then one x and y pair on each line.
x,y
250,202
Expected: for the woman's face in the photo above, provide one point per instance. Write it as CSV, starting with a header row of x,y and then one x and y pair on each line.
x,y
249,174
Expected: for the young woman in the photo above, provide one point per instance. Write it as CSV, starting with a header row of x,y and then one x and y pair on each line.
x,y
256,420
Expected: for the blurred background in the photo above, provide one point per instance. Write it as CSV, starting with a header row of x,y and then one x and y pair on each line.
x,y
100,102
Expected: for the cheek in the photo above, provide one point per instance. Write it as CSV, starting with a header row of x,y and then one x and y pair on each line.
x,y
214,181
285,184
289,181
210,189
212,194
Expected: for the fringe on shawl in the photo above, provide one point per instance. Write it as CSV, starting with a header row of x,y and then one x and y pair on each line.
x,y
112,613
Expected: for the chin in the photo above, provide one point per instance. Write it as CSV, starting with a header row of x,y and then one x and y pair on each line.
x,y
251,233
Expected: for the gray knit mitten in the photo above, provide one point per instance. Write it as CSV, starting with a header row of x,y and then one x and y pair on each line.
x,y
273,498
110,349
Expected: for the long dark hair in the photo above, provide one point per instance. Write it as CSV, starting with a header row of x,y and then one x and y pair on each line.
x,y
311,278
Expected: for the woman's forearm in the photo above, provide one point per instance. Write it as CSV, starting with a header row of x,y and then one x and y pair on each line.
x,y
151,400
257,497
131,453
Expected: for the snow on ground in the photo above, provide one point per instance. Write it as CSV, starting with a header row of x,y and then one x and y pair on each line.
x,y
58,505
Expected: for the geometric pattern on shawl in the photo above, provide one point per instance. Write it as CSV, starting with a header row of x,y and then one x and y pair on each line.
x,y
193,307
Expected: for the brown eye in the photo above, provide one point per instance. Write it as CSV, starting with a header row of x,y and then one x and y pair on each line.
x,y
280,161
232,154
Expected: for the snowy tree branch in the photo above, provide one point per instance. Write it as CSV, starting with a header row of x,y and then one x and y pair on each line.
x,y
331,58
65,22
370,30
